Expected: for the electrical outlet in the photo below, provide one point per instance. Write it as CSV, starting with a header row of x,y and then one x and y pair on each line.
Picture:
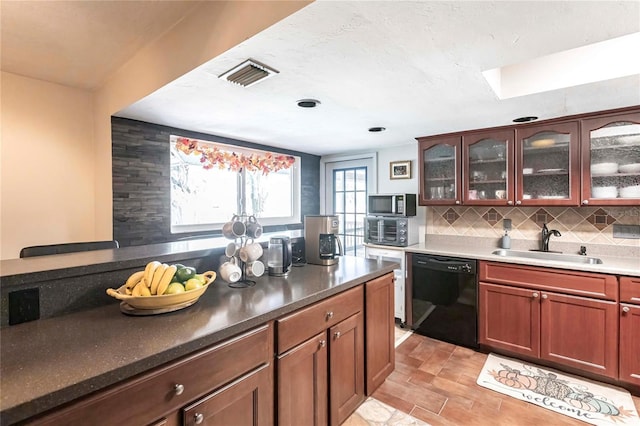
x,y
506,224
631,232
24,305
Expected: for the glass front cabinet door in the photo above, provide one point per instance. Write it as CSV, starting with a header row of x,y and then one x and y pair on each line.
x,y
611,160
487,176
547,170
439,171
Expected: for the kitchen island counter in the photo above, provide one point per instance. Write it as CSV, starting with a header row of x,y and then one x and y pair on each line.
x,y
49,362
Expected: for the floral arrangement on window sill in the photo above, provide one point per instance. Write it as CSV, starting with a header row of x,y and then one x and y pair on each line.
x,y
213,156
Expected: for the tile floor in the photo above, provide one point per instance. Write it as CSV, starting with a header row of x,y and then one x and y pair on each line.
x,y
436,382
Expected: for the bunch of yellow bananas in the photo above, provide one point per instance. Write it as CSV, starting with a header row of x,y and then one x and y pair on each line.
x,y
154,280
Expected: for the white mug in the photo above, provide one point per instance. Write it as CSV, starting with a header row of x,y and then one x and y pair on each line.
x,y
251,252
255,269
501,194
232,249
230,271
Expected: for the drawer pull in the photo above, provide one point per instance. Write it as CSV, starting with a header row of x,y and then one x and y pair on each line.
x,y
329,315
625,309
199,418
323,343
544,296
178,388
336,335
535,295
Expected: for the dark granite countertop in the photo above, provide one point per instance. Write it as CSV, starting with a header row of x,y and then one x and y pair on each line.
x,y
49,362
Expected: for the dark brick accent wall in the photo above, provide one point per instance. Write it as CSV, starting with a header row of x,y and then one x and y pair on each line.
x,y
141,189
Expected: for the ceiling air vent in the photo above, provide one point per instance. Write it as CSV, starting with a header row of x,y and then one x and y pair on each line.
x,y
247,73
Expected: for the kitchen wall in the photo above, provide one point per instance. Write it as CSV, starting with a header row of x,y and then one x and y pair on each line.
x,y
47,160
589,226
141,186
56,140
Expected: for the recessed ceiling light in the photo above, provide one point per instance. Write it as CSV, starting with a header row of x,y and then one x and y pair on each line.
x,y
308,103
524,119
377,129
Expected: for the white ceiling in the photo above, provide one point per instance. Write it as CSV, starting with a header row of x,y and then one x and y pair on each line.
x,y
412,67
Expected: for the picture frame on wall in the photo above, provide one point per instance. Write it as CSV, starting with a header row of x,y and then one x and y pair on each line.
x,y
400,169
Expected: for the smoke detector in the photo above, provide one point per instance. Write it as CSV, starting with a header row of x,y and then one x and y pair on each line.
x,y
248,72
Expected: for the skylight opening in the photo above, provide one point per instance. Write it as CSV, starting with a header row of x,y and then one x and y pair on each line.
x,y
596,62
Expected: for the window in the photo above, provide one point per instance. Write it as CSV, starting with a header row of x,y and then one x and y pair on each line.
x,y
204,199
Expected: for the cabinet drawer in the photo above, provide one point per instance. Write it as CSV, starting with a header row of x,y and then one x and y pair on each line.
x,y
599,286
301,325
630,289
152,395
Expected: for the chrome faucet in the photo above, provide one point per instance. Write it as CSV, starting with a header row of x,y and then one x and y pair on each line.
x,y
546,235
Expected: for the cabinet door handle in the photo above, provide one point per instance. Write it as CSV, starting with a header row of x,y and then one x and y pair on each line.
x,y
199,418
544,296
336,335
585,202
323,343
329,315
510,202
457,201
518,202
625,309
178,388
535,295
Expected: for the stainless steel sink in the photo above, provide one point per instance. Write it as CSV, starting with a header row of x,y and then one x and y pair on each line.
x,y
540,255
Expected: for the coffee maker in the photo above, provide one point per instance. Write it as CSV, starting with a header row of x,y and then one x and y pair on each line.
x,y
321,240
279,258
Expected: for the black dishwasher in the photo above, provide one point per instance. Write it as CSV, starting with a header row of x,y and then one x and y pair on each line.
x,y
444,299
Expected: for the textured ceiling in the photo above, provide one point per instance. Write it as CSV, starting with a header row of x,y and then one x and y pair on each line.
x,y
412,67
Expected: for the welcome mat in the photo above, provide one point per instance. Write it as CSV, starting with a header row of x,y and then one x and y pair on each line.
x,y
582,399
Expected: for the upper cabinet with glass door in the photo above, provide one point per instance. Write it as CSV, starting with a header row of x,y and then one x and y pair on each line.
x,y
439,160
488,168
546,168
611,159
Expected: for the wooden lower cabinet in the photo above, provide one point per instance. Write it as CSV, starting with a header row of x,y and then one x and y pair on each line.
x,y
630,330
302,390
579,332
346,368
321,379
630,343
380,331
247,401
572,330
509,319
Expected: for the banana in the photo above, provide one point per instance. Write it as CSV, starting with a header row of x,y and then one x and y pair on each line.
x,y
134,279
149,270
157,276
166,280
137,289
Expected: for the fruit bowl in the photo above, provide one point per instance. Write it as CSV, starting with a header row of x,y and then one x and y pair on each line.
x,y
163,301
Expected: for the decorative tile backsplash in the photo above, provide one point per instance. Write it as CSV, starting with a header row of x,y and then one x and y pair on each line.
x,y
586,225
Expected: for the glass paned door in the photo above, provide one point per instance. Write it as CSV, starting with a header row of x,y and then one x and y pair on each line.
x,y
440,171
350,205
547,165
488,162
615,161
